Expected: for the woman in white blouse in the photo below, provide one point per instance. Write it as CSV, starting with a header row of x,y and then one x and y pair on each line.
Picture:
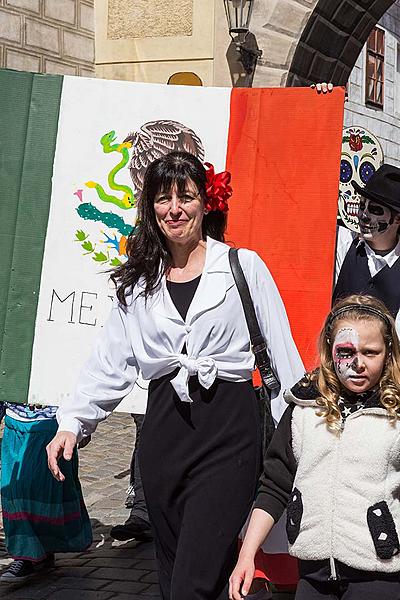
x,y
178,320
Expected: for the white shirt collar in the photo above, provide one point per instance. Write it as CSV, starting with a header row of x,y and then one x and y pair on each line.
x,y
389,259
217,258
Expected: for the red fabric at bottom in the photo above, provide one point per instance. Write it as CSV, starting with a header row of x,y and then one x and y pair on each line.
x,y
280,569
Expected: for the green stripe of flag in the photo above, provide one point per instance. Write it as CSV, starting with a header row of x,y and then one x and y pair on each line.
x,y
15,93
29,105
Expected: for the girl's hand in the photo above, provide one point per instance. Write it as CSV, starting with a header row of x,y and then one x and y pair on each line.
x,y
259,527
241,577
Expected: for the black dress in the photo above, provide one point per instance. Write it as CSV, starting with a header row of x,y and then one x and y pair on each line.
x,y
199,465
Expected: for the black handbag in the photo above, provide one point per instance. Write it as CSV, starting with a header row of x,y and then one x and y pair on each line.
x,y
259,348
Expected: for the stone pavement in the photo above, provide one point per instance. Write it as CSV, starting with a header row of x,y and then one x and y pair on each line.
x,y
110,569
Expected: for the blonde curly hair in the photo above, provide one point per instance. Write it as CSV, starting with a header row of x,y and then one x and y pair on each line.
x,y
325,376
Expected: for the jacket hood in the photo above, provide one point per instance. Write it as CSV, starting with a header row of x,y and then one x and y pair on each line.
x,y
303,393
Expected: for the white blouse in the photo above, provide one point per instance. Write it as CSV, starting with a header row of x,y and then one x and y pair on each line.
x,y
148,337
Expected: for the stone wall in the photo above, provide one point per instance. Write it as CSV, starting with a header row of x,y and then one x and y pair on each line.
x,y
384,123
301,40
332,40
47,36
278,25
137,45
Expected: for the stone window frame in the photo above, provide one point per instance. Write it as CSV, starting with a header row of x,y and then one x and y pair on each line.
x,y
375,56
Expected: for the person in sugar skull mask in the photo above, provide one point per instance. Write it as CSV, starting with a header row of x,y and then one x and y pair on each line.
x,y
361,156
370,264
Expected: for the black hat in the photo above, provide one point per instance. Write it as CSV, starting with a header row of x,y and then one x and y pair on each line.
x,y
383,186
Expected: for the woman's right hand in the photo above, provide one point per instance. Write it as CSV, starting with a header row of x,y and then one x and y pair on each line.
x,y
62,444
322,87
241,578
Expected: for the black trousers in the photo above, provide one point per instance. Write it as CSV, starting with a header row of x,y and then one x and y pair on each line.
x,y
139,508
199,465
314,583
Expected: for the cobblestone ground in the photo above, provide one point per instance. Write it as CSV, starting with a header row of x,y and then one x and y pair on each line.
x,y
110,569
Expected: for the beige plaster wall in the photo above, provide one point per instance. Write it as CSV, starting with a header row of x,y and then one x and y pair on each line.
x,y
151,49
149,18
166,47
222,39
47,36
277,25
156,72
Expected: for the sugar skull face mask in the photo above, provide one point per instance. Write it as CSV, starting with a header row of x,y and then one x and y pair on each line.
x,y
359,354
361,156
374,218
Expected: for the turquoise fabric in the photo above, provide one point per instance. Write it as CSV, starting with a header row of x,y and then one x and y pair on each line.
x,y
40,515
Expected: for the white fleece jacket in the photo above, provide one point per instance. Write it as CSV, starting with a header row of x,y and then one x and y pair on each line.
x,y
346,499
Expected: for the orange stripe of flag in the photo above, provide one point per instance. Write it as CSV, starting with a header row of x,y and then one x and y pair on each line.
x,y
284,154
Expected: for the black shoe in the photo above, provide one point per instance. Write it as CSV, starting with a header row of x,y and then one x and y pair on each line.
x,y
134,528
129,502
46,564
19,570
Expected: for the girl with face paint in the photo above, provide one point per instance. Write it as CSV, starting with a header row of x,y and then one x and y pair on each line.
x,y
333,464
359,354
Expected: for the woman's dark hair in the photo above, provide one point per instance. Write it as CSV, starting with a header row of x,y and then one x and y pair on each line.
x,y
147,249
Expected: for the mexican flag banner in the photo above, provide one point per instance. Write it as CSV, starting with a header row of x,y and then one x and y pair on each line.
x,y
73,152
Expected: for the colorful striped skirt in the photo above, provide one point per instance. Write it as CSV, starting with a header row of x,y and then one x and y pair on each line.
x,y
40,515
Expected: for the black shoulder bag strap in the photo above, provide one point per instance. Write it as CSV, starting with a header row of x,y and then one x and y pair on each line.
x,y
258,345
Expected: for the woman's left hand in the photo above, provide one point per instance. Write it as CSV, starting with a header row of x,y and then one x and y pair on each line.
x,y
62,444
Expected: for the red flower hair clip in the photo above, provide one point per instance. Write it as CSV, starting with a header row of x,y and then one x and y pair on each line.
x,y
218,189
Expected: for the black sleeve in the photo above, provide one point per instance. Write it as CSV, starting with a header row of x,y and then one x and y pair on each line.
x,y
276,481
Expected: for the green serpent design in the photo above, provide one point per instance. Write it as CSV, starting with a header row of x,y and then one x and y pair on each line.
x,y
128,200
89,212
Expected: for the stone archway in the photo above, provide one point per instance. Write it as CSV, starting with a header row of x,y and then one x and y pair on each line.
x,y
332,40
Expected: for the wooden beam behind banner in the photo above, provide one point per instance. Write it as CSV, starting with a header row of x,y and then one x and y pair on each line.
x,y
284,154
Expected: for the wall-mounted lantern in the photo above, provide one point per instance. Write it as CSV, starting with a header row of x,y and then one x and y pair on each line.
x,y
238,15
